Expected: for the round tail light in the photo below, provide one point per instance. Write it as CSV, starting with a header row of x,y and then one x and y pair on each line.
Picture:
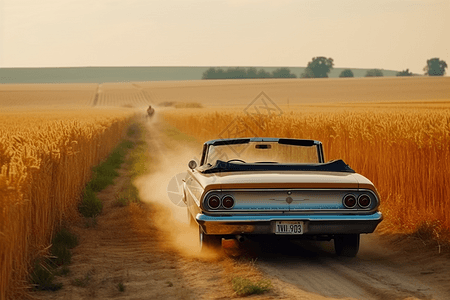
x,y
349,201
214,202
228,202
364,201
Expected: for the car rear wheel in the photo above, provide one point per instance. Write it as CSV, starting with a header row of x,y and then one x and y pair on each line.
x,y
207,241
346,245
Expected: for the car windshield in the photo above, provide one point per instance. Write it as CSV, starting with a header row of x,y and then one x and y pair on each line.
x,y
263,152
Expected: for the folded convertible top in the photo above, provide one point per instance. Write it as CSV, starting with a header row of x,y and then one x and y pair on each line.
x,y
222,166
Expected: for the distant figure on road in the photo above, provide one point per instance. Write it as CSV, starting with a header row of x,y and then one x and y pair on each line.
x,y
150,111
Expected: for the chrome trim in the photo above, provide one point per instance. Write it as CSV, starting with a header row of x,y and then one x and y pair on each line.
x,y
296,189
273,199
268,218
292,212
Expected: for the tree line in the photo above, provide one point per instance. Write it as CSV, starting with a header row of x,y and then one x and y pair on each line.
x,y
318,67
241,73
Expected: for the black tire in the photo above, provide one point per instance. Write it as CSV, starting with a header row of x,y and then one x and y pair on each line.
x,y
207,241
346,245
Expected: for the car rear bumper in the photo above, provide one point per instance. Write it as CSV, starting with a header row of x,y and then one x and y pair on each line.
x,y
265,224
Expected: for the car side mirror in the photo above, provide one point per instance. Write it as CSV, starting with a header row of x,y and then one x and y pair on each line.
x,y
192,164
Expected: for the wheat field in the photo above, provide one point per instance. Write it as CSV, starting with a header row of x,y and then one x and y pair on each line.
x,y
395,131
238,93
46,156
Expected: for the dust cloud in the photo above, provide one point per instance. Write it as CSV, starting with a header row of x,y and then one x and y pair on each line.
x,y
162,188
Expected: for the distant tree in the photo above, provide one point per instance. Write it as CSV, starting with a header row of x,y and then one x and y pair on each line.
x,y
283,73
374,73
236,73
209,74
307,73
346,73
252,73
319,67
240,73
435,67
263,74
405,73
220,74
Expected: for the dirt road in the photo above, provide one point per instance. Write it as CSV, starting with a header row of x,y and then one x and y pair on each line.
x,y
152,252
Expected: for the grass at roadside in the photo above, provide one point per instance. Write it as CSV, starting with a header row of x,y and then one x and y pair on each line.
x,y
43,276
61,245
246,287
103,175
245,278
133,152
45,268
136,165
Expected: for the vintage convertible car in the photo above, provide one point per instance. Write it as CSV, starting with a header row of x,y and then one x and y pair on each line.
x,y
248,187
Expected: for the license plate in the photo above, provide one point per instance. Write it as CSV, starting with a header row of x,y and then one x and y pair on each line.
x,y
288,227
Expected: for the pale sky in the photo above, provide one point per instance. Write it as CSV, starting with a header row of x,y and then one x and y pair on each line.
x,y
385,34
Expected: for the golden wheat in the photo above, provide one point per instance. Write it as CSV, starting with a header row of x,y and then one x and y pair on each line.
x,y
46,158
